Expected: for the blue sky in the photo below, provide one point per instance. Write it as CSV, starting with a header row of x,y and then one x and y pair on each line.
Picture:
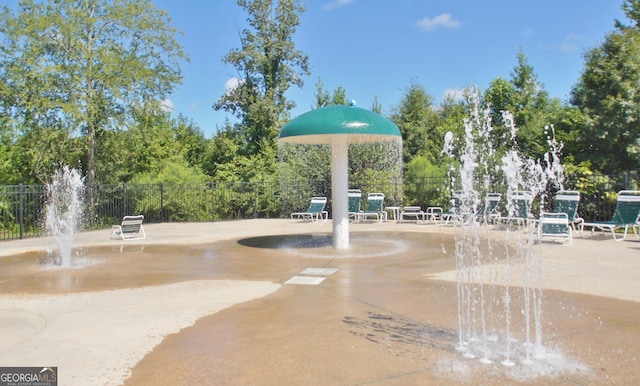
x,y
377,47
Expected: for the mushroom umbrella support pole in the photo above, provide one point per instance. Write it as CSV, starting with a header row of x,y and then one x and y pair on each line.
x,y
339,126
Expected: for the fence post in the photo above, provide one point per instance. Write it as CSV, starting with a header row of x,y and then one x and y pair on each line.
x,y
626,180
123,207
213,201
255,202
21,213
162,202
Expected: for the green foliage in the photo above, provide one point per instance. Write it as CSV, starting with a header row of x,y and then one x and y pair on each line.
x,y
570,127
498,97
377,168
80,66
452,114
36,154
324,98
608,93
305,171
189,140
268,64
176,202
417,119
376,106
424,184
524,97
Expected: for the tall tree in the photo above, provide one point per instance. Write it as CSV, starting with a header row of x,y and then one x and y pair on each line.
x,y
84,64
267,65
531,108
524,96
608,92
416,118
324,98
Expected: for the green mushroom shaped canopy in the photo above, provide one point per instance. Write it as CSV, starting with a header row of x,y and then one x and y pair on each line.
x,y
321,126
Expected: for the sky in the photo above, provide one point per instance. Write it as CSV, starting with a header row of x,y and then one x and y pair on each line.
x,y
377,48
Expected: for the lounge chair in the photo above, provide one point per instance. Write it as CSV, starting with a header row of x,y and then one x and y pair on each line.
x,y
375,207
519,208
624,216
412,213
433,214
355,197
555,227
315,211
455,215
488,212
130,229
567,201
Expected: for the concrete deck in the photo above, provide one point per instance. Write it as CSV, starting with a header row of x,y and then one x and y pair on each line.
x,y
191,304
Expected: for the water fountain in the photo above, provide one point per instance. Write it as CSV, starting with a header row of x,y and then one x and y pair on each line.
x,y
485,309
339,126
378,318
63,213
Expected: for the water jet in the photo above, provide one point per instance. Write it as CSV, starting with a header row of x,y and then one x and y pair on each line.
x,y
63,213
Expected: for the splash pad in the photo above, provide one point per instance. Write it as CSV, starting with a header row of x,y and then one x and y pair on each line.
x,y
384,319
374,319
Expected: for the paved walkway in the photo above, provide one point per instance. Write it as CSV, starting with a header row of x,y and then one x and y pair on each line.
x,y
202,303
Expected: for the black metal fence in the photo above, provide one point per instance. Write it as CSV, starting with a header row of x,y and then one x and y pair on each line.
x,y
22,207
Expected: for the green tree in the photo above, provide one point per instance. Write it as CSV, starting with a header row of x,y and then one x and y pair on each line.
x,y
324,98
222,148
267,65
524,96
176,180
190,140
608,93
531,108
569,124
83,64
499,96
376,106
35,154
146,144
416,118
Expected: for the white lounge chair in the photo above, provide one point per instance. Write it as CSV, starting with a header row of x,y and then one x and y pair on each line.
x,y
130,229
315,211
555,227
412,212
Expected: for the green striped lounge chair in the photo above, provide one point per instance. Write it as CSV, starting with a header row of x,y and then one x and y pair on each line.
x,y
625,216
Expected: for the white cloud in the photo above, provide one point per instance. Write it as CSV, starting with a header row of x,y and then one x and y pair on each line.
x,y
167,105
454,93
335,4
444,20
231,84
570,43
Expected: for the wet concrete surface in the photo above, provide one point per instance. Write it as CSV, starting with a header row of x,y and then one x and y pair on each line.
x,y
377,320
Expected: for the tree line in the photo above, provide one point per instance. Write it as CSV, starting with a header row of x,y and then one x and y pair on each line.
x,y
82,84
